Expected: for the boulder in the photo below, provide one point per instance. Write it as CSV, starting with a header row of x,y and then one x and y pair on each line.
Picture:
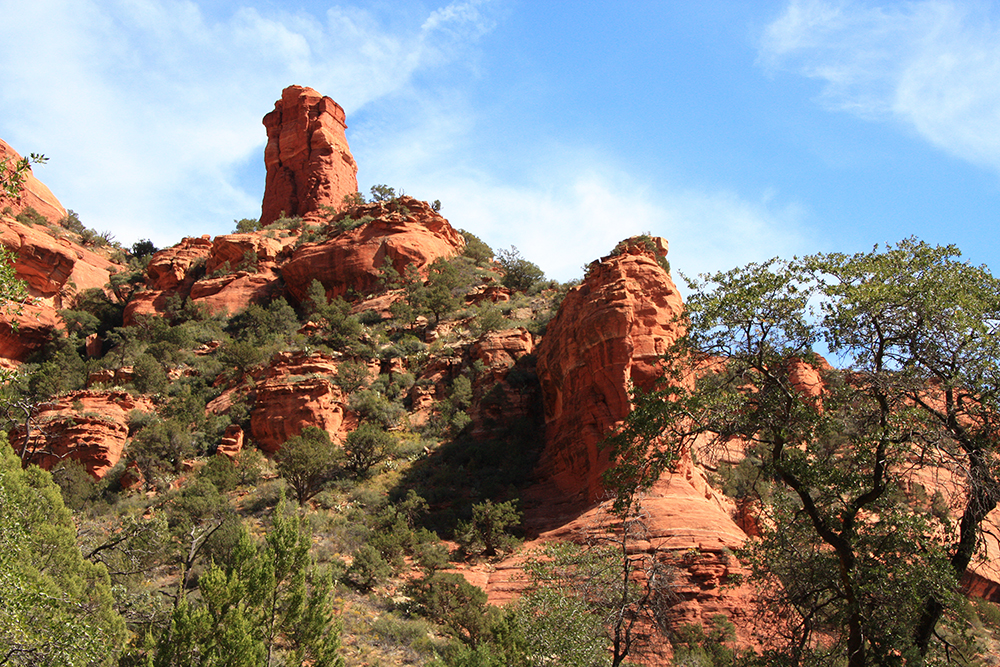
x,y
406,232
309,164
298,391
232,442
609,332
88,426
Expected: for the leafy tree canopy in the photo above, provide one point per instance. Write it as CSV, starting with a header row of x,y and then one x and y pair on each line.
x,y
914,330
57,607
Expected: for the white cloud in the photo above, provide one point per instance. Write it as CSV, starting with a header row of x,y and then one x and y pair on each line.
x,y
574,208
932,65
150,111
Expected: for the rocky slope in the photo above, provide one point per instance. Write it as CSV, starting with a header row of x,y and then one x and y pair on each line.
x,y
470,393
51,261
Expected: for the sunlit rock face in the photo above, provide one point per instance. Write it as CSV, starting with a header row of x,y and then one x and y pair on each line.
x,y
609,332
309,164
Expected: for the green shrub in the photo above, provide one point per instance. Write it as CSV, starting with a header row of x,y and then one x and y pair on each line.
x,y
72,222
149,378
488,531
308,462
377,409
249,467
475,249
30,217
221,472
368,569
519,274
488,318
246,225
77,486
351,376
160,448
366,447
448,599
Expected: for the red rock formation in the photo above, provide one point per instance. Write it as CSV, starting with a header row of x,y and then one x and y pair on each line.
x,y
298,391
686,525
232,442
35,193
187,271
238,249
54,270
111,377
609,331
233,292
22,334
500,350
309,164
407,232
88,426
171,267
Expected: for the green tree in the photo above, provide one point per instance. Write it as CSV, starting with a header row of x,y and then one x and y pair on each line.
x,y
915,330
549,625
143,248
383,193
489,529
266,605
518,273
366,447
57,608
452,601
308,462
246,225
448,280
476,249
160,448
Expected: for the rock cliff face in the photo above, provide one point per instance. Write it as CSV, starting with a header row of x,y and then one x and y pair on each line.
x,y
88,426
309,164
35,194
406,232
298,391
609,332
54,269
226,274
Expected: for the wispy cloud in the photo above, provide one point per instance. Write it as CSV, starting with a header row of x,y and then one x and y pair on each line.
x,y
932,65
150,110
574,206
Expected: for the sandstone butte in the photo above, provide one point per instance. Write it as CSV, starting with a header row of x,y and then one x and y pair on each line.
x,y
309,165
609,332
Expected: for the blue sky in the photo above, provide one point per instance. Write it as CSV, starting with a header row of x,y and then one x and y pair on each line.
x,y
736,130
